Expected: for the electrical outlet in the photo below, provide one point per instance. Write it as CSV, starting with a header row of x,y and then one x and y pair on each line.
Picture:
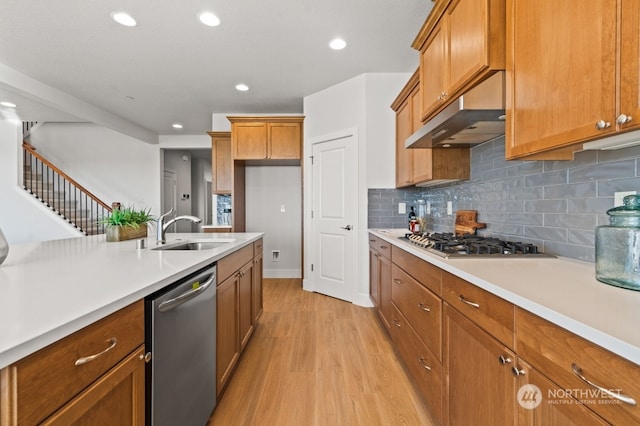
x,y
449,207
283,208
428,207
275,255
402,208
619,196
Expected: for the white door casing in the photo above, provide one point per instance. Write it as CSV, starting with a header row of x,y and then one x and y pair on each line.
x,y
335,216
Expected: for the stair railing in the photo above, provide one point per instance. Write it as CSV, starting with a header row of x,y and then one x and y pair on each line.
x,y
62,194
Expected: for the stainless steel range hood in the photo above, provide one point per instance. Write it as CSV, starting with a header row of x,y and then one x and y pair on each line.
x,y
473,118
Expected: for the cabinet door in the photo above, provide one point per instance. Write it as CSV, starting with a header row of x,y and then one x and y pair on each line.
x,y
374,277
630,66
117,398
562,78
222,165
249,141
404,163
432,72
422,159
246,303
385,290
478,375
227,338
540,403
257,286
284,141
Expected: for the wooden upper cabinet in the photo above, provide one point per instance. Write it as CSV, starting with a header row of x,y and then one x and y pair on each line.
x,y
266,138
629,67
221,162
419,165
461,43
561,75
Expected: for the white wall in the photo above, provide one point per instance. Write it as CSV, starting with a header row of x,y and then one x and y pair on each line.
x,y
363,103
111,165
23,219
268,188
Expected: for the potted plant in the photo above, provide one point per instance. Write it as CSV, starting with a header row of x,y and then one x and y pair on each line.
x,y
127,223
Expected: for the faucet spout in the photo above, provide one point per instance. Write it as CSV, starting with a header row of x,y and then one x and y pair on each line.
x,y
161,226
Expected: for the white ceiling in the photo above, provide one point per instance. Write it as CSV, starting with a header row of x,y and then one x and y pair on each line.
x,y
178,70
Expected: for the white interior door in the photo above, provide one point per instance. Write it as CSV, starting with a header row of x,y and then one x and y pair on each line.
x,y
335,215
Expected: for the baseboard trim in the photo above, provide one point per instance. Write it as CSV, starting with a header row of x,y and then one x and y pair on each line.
x,y
281,273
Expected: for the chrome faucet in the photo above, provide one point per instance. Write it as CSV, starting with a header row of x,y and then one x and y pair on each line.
x,y
161,227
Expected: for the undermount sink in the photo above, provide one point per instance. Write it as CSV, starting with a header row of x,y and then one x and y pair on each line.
x,y
194,245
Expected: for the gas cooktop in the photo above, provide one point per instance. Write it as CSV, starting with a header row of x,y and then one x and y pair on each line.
x,y
449,245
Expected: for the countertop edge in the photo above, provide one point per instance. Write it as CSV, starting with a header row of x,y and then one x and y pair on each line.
x,y
455,267
30,346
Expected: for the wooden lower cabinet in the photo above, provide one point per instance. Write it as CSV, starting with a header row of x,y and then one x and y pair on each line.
x,y
542,403
479,383
380,278
239,302
227,327
117,398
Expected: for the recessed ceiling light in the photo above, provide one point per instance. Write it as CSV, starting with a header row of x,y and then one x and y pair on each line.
x,y
123,18
8,104
177,126
242,87
337,44
209,19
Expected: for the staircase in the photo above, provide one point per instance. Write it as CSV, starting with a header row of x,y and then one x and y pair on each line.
x,y
62,194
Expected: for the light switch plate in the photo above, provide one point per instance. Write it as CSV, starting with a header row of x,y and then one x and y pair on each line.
x,y
449,207
402,208
428,207
619,196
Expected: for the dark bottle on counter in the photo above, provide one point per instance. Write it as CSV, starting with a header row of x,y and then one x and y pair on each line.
x,y
413,221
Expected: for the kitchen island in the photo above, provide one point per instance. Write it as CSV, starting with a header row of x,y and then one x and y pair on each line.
x,y
52,289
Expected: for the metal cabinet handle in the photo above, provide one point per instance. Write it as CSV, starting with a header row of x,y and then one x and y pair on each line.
x,y
397,323
112,344
384,247
422,364
620,397
424,308
146,357
601,124
397,280
463,300
623,119
518,371
504,360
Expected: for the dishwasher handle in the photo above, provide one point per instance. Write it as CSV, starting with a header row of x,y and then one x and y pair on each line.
x,y
186,296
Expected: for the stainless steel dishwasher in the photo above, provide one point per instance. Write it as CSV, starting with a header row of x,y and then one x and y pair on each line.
x,y
181,336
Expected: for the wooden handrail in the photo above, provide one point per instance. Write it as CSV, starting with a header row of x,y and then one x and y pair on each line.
x,y
28,147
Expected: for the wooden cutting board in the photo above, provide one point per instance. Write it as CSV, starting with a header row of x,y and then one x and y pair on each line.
x,y
466,222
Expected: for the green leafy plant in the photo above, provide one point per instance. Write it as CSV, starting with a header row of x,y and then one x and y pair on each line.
x,y
128,216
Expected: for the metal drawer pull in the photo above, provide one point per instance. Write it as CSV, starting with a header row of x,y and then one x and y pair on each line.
x,y
424,308
620,397
397,281
396,323
423,365
112,344
504,360
463,300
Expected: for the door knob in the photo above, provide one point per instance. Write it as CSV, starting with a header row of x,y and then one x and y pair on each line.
x,y
348,227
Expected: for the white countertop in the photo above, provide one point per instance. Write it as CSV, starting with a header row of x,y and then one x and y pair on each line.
x,y
51,289
561,290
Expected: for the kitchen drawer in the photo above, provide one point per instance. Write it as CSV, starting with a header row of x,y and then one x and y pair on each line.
x,y
230,264
380,245
553,351
490,312
49,378
421,308
257,247
425,273
424,368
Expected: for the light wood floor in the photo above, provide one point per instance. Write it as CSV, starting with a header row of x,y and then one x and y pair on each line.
x,y
315,360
